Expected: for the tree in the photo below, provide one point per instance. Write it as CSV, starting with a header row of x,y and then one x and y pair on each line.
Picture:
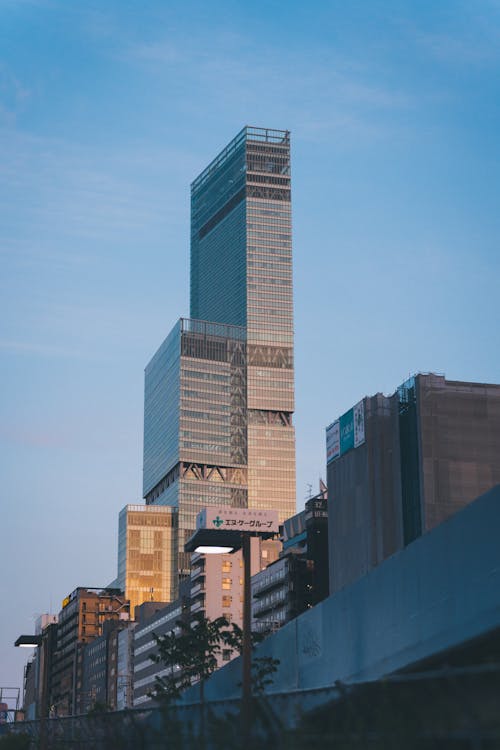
x,y
190,653
263,667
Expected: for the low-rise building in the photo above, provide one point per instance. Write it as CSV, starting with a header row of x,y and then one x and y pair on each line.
x,y
153,619
80,622
217,582
299,578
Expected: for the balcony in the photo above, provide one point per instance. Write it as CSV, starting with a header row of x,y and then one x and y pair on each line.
x,y
198,606
198,588
198,571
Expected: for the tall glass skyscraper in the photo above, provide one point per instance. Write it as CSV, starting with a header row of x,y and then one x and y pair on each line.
x,y
241,273
219,393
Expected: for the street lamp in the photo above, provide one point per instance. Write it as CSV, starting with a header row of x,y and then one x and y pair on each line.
x,y
28,641
223,530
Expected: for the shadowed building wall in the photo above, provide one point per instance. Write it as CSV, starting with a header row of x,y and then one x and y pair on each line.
x,y
429,450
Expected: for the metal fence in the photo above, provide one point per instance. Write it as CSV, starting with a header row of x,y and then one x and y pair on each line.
x,y
450,709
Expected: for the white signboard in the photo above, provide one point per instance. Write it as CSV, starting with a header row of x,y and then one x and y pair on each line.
x,y
238,519
332,441
346,433
359,424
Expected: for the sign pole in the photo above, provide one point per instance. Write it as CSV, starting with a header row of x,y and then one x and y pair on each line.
x,y
247,644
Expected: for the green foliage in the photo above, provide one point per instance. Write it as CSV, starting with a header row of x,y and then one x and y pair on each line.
x,y
263,667
190,654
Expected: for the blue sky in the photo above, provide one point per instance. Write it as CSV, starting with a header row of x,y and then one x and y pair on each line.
x,y
108,110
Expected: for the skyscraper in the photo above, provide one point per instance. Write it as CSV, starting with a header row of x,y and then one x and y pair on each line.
x,y
241,273
219,392
195,423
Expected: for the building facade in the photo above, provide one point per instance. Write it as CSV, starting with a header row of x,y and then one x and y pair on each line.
x,y
219,392
80,622
195,451
298,580
241,273
125,668
400,465
152,621
147,553
217,581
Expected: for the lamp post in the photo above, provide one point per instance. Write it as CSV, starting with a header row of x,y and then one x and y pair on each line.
x,y
35,641
223,530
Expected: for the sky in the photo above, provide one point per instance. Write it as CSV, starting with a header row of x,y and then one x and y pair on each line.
x,y
108,110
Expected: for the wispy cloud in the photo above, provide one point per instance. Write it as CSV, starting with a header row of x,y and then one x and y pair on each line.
x,y
67,189
342,92
46,350
13,95
33,438
469,49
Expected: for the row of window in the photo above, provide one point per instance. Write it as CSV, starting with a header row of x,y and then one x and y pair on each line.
x,y
204,375
274,265
212,416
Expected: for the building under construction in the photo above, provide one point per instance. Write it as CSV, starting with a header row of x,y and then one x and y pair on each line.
x,y
399,465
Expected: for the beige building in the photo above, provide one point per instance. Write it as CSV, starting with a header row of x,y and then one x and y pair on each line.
x,y
217,581
147,553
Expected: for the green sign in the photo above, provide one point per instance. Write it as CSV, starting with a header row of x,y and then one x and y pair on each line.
x,y
346,433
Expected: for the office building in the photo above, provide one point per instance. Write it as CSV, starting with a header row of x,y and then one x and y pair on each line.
x,y
217,581
125,668
147,554
100,668
80,622
298,580
154,619
219,392
400,465
194,423
38,670
241,274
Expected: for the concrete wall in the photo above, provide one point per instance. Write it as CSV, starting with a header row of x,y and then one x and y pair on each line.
x,y
441,590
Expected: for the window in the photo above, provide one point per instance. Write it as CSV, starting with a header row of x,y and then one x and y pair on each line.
x,y
226,601
226,654
226,583
226,566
